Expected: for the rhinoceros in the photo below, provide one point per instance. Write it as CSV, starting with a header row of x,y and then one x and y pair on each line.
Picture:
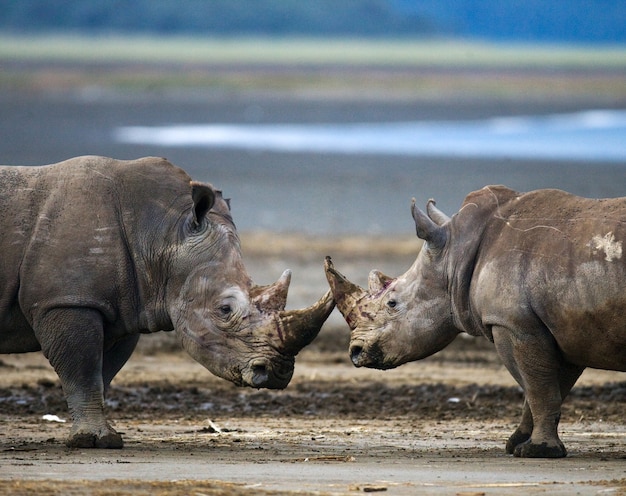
x,y
97,251
541,274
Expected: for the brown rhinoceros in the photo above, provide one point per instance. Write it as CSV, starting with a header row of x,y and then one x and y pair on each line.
x,y
96,251
541,274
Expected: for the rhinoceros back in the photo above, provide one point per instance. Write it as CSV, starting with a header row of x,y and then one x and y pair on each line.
x,y
557,258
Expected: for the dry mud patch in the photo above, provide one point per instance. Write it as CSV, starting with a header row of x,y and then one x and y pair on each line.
x,y
432,427
435,427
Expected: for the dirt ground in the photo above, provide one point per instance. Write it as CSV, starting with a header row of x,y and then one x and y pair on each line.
x,y
432,427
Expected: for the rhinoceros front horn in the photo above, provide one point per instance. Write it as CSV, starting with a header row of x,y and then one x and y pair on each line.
x,y
299,327
346,294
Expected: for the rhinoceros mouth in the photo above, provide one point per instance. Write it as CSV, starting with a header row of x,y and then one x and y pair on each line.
x,y
270,374
369,355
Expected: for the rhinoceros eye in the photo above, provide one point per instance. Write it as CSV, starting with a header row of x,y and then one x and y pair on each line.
x,y
391,303
225,310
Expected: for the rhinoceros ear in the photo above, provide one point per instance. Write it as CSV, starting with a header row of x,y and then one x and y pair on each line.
x,y
427,229
435,214
203,196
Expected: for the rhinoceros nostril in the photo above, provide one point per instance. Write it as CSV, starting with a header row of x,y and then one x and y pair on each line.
x,y
355,353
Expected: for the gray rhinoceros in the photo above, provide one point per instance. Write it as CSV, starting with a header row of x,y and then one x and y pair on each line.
x,y
96,251
541,274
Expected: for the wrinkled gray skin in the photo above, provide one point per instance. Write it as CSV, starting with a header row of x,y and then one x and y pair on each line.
x,y
96,251
542,275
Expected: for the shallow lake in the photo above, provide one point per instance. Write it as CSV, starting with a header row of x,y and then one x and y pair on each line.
x,y
592,135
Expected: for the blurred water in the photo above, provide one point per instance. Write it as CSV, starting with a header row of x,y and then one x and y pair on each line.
x,y
314,189
593,135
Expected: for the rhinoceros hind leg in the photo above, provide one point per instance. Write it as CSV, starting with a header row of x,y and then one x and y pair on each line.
x,y
530,450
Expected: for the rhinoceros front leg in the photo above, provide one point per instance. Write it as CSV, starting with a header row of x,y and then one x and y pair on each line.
x,y
568,376
115,358
72,340
523,432
532,358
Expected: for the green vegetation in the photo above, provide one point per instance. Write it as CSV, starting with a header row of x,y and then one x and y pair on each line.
x,y
336,68
288,51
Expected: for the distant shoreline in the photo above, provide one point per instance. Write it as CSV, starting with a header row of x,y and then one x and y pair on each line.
x,y
399,70
305,51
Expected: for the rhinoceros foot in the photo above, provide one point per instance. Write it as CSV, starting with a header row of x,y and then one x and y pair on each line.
x,y
517,438
530,450
106,438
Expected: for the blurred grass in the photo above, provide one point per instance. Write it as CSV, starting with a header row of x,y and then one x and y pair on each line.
x,y
328,68
313,248
298,51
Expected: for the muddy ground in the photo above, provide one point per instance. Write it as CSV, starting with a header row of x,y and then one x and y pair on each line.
x,y
433,427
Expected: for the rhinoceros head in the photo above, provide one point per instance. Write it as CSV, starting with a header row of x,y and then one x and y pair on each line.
x,y
395,321
239,331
